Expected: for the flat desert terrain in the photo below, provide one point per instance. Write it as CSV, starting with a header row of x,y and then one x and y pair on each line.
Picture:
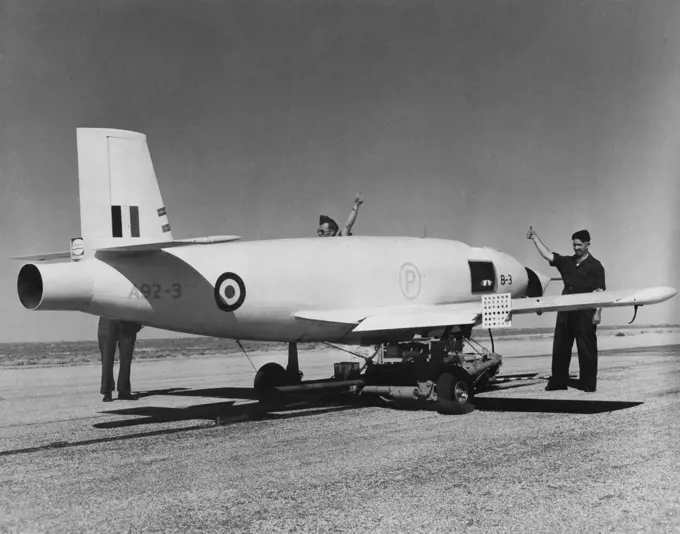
x,y
197,453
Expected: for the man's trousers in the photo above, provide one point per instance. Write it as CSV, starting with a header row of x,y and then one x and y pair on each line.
x,y
575,325
111,335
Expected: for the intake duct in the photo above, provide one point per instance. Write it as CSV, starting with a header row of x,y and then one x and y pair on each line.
x,y
59,286
537,283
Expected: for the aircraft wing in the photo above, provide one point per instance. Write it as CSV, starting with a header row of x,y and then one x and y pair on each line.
x,y
469,313
431,319
603,299
399,317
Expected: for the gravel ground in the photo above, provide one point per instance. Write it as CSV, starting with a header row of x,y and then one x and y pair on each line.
x,y
525,460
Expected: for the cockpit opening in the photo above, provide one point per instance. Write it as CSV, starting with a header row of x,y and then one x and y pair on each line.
x,y
483,276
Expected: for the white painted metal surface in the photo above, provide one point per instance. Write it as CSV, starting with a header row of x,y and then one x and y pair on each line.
x,y
351,289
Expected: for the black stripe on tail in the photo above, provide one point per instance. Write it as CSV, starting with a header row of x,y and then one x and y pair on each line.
x,y
116,221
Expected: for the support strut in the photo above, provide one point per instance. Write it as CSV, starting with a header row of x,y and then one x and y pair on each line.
x,y
293,367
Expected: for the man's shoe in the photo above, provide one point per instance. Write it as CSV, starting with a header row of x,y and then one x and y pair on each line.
x,y
552,386
589,389
126,396
107,397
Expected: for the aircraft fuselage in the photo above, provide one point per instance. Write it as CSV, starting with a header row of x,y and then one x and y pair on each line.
x,y
251,290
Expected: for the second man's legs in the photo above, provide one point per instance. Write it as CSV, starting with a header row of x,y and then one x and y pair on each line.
x,y
126,344
108,340
561,357
586,343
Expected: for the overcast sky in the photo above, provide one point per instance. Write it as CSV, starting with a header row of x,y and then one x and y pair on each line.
x,y
473,119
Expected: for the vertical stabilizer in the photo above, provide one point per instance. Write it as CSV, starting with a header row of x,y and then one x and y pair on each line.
x,y
120,202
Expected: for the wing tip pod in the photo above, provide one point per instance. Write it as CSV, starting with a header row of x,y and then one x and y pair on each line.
x,y
649,295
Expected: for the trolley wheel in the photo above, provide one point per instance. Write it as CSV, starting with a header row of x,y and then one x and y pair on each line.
x,y
267,378
454,393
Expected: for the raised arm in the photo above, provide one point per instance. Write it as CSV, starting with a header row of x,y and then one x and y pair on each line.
x,y
358,201
542,249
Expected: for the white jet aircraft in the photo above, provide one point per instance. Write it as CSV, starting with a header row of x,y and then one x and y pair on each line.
x,y
354,291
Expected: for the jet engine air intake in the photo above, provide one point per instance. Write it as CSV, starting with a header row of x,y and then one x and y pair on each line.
x,y
30,287
534,288
60,286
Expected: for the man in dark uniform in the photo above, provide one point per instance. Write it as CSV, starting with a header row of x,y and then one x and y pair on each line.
x,y
114,334
581,273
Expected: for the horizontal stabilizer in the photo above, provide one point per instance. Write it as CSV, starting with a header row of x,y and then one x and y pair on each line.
x,y
159,245
139,248
50,256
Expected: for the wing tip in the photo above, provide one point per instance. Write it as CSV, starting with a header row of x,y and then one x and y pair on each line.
x,y
650,295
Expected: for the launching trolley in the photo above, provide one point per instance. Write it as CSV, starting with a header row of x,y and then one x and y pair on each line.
x,y
443,372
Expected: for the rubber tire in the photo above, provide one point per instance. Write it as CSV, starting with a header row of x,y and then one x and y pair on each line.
x,y
267,377
454,393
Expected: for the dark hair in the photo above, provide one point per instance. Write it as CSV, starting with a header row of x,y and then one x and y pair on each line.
x,y
582,235
324,219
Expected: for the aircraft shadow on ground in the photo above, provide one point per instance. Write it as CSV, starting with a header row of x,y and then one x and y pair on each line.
x,y
503,387
151,393
226,412
550,405
219,393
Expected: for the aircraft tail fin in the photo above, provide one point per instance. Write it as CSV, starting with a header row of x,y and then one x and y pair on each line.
x,y
120,201
121,207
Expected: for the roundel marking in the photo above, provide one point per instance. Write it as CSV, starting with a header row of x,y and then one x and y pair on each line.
x,y
410,280
230,292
